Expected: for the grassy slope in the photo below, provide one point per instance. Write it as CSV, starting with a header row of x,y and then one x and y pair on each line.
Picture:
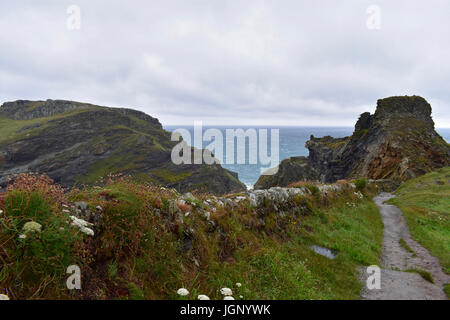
x,y
139,253
127,137
425,203
290,270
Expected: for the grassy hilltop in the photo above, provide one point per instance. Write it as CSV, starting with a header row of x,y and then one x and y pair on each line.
x,y
79,143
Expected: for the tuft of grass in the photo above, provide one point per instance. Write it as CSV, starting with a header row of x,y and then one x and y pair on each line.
x,y
35,262
447,289
407,247
112,270
423,273
170,176
135,293
360,183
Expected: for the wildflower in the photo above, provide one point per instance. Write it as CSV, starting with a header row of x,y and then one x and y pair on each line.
x,y
23,236
228,298
203,297
87,231
32,227
65,211
182,292
359,194
80,222
226,291
242,297
1,211
238,284
4,297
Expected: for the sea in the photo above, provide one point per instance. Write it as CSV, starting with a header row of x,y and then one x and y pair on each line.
x,y
291,143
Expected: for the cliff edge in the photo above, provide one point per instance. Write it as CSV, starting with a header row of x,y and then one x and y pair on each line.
x,y
78,143
397,142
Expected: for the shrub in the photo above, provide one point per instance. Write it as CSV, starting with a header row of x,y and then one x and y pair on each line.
x,y
37,257
361,183
31,182
313,188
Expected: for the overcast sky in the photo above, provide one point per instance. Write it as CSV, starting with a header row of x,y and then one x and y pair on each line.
x,y
229,62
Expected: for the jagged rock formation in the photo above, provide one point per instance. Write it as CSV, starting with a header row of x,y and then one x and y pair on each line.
x,y
78,143
398,142
289,171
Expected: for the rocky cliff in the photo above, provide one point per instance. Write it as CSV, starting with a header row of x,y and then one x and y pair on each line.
x,y
397,142
78,143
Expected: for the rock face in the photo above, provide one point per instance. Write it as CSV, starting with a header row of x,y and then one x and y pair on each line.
x,y
397,142
289,171
78,143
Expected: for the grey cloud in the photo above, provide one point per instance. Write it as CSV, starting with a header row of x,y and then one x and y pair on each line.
x,y
229,62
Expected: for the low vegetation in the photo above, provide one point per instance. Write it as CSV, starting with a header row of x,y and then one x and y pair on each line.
x,y
423,273
407,247
148,241
425,203
447,289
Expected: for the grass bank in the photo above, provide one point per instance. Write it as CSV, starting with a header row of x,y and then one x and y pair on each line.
x,y
149,241
425,203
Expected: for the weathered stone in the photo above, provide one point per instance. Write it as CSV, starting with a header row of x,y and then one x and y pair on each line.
x,y
289,171
81,205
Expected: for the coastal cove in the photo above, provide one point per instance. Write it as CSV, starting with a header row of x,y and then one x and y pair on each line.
x,y
292,143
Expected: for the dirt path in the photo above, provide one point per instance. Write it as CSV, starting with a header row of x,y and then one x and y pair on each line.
x,y
396,284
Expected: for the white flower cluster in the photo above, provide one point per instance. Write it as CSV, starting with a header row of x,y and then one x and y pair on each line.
x,y
182,292
226,292
83,225
351,204
4,297
359,194
30,227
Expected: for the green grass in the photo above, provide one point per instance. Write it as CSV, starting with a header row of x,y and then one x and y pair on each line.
x,y
41,257
291,270
141,249
406,246
9,128
447,289
170,176
423,273
425,203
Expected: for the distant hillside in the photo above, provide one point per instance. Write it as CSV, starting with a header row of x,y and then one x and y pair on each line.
x,y
79,143
398,142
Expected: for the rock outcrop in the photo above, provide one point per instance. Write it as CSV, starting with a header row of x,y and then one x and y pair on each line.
x,y
397,142
289,171
78,143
